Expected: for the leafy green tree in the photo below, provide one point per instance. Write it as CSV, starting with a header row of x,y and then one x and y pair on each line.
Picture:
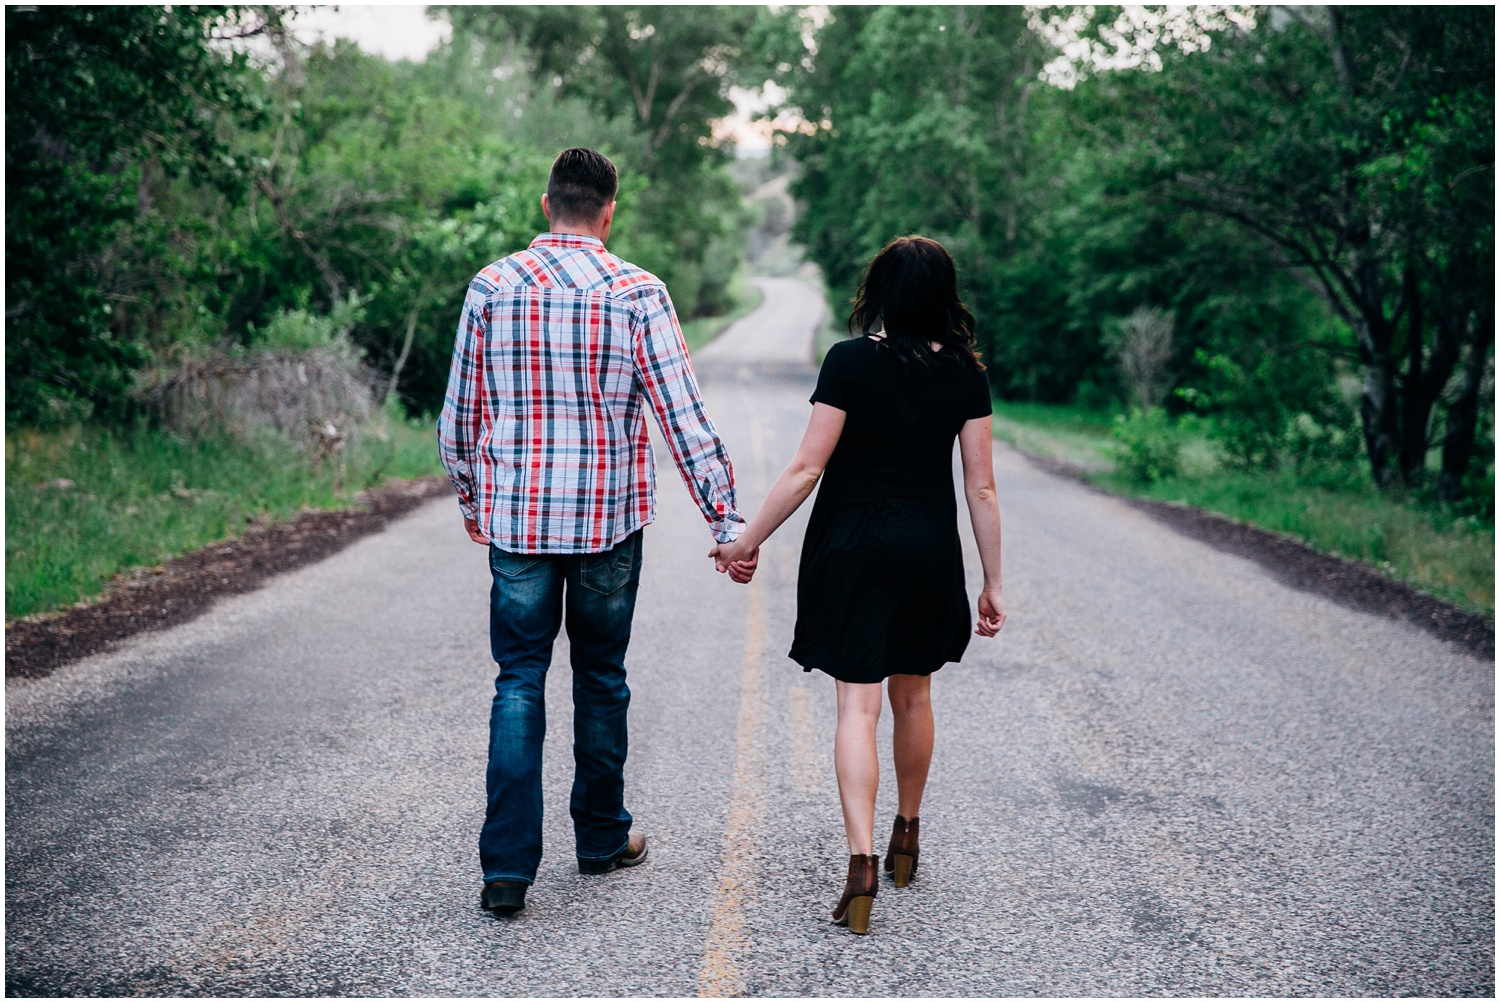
x,y
1295,191
1358,144
107,108
667,71
392,183
917,121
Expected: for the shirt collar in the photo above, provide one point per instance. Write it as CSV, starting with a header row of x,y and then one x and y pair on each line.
x,y
550,239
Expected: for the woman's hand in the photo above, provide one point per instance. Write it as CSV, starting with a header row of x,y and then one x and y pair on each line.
x,y
991,613
737,559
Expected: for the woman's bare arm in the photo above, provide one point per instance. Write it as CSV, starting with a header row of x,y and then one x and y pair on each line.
x,y
976,448
791,488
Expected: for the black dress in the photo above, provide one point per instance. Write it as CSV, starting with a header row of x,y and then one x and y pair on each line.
x,y
880,590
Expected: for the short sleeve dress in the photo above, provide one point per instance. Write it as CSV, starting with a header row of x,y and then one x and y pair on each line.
x,y
880,589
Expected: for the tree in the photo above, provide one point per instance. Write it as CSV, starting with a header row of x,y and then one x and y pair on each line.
x,y
105,108
1358,144
937,140
667,71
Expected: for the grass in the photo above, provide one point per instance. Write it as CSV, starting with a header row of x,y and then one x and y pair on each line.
x,y
701,330
1071,434
85,504
1336,510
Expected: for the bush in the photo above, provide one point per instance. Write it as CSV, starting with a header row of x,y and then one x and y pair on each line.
x,y
301,377
1147,446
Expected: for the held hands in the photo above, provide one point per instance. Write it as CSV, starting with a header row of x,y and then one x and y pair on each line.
x,y
737,559
991,613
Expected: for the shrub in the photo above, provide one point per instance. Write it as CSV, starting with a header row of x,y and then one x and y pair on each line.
x,y
1147,446
301,377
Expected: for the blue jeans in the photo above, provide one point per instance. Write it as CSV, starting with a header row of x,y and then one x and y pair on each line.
x,y
532,596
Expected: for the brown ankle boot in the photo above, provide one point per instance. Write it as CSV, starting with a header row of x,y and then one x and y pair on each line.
x,y
901,856
859,893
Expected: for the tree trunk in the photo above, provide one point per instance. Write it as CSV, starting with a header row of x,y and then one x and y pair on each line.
x,y
1377,401
411,333
1416,402
1463,416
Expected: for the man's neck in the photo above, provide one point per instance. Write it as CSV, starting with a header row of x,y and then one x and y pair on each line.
x,y
577,231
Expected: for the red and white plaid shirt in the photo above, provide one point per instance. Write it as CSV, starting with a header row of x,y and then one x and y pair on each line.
x,y
543,431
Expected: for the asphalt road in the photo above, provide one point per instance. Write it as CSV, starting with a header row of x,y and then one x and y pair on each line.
x,y
1169,775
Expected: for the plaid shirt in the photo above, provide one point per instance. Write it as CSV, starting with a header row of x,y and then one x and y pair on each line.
x,y
543,431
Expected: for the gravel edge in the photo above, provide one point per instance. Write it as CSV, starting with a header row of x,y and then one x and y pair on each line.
x,y
1351,584
188,586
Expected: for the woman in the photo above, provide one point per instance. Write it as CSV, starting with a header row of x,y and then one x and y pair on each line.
x,y
880,590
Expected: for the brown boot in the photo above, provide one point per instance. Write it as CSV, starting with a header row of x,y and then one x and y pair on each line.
x,y
901,856
859,893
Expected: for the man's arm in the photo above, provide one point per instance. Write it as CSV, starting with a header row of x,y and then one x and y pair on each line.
x,y
661,364
458,424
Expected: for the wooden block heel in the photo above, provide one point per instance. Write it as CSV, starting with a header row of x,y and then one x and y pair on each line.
x,y
857,915
903,863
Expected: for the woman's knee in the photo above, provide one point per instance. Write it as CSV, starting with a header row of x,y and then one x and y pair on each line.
x,y
859,701
910,695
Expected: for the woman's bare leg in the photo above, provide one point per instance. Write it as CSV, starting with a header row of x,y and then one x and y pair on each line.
x,y
911,703
855,762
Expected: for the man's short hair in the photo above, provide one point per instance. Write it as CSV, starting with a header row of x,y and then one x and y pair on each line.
x,y
582,183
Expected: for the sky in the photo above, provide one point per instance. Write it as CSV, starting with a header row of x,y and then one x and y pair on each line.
x,y
403,31
395,31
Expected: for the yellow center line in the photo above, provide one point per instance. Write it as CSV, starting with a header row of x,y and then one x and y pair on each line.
x,y
728,939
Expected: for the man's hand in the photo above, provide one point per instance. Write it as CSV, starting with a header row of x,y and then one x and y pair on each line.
x,y
471,526
736,559
991,613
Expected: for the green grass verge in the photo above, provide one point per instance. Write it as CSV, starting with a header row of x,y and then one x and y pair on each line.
x,y
701,330
1070,434
141,497
1338,511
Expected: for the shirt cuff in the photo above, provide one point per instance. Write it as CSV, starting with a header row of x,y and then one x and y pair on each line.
x,y
729,528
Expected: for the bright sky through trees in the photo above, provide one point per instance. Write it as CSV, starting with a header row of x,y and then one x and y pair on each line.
x,y
404,31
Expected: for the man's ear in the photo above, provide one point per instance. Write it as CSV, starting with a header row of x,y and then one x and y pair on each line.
x,y
545,211
609,216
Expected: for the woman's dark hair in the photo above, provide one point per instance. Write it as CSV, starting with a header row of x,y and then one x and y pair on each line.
x,y
582,183
911,287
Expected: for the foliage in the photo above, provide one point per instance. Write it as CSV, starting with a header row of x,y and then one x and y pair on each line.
x,y
390,183
1358,144
1297,194
1148,446
666,71
1142,343
170,200
1260,415
107,110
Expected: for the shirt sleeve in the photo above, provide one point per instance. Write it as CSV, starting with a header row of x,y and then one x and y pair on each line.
x,y
831,388
662,366
463,405
978,403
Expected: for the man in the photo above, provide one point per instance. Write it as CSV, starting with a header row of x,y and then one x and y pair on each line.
x,y
561,348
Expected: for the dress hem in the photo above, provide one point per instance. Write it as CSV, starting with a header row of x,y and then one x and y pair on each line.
x,y
831,673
